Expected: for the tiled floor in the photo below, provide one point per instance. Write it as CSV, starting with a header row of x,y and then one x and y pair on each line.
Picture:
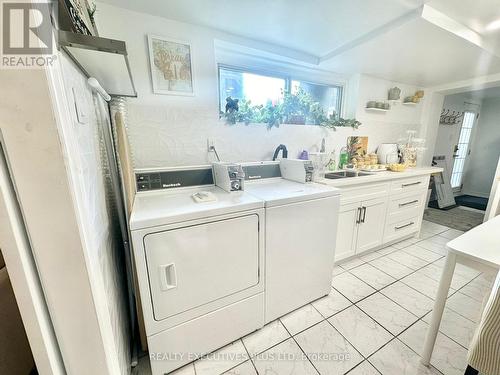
x,y
373,322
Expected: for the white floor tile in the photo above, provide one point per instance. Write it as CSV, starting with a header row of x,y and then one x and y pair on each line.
x,y
372,276
465,271
424,284
337,270
285,358
301,319
407,260
269,335
397,359
405,243
387,313
451,234
455,326
351,287
222,360
363,332
370,256
431,245
460,269
391,267
246,368
434,228
186,370
350,264
448,357
323,339
331,304
364,368
479,288
424,254
386,250
413,301
424,235
465,306
434,272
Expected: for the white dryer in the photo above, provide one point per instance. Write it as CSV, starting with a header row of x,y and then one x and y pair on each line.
x,y
301,227
199,266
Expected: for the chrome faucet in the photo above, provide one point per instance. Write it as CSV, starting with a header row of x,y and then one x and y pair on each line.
x,y
277,151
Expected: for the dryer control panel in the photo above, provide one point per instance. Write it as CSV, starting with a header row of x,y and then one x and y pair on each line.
x,y
297,170
229,177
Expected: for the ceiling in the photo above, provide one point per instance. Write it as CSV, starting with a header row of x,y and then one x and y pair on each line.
x,y
387,38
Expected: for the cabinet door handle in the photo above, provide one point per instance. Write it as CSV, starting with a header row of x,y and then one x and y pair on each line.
x,y
407,203
358,219
364,214
404,226
411,184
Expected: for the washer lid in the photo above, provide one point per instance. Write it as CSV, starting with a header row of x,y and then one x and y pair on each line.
x,y
278,191
173,206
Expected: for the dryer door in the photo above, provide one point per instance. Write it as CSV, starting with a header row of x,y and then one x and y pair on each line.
x,y
191,266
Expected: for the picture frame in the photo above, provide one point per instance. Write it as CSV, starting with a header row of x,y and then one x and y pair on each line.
x,y
171,65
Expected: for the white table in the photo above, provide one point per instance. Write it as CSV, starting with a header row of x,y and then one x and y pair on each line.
x,y
478,248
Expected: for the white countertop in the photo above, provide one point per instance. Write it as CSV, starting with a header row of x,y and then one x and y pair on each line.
x,y
379,176
481,243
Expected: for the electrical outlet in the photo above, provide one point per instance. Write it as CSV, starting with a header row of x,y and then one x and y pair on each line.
x,y
210,144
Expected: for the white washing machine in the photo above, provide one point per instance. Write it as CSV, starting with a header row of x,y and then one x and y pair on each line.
x,y
301,227
199,265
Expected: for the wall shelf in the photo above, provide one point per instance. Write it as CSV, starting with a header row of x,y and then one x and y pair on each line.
x,y
101,58
376,109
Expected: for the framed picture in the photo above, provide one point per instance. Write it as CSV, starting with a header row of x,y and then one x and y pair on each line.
x,y
171,66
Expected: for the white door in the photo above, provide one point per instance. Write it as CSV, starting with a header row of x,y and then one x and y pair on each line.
x,y
299,254
347,230
371,226
462,150
192,266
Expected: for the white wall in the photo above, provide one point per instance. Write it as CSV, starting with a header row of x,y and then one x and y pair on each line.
x,y
173,130
485,150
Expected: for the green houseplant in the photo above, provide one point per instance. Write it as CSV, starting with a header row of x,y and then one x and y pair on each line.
x,y
296,108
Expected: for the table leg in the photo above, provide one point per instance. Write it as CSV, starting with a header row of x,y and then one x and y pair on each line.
x,y
439,303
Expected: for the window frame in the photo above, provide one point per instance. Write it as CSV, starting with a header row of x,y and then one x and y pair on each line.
x,y
288,82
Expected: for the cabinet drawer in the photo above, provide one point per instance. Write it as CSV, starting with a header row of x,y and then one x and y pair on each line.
x,y
410,184
401,228
363,192
405,202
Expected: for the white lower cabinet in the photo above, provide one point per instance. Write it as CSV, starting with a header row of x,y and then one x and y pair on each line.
x,y
375,214
360,227
347,230
371,225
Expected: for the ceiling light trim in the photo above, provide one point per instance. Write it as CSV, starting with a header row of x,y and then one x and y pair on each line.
x,y
451,25
375,33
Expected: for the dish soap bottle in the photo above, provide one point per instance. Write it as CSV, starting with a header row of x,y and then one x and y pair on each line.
x,y
343,158
332,164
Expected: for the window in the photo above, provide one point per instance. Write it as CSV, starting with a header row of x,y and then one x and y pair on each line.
x,y
262,89
259,89
330,97
462,150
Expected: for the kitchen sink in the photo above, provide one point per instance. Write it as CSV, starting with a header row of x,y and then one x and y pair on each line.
x,y
345,174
